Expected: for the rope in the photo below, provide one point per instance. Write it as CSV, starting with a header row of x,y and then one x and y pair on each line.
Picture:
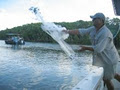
x,y
114,36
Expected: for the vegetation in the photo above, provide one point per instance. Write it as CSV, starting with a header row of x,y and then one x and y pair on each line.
x,y
32,32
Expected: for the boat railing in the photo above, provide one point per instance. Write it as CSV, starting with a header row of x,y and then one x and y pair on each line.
x,y
94,81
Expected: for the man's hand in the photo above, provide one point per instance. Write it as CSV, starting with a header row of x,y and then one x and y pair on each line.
x,y
73,32
82,48
65,31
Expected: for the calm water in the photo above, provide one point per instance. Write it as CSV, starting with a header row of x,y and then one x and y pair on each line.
x,y
40,66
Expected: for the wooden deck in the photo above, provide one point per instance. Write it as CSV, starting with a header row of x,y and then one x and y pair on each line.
x,y
115,82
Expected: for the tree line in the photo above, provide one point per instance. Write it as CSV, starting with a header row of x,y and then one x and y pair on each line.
x,y
33,32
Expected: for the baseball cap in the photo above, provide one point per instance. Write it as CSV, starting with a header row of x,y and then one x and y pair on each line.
x,y
98,15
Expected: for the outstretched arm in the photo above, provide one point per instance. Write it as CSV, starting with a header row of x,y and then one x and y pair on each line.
x,y
72,32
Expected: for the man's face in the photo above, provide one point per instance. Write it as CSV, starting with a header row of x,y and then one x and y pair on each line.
x,y
97,22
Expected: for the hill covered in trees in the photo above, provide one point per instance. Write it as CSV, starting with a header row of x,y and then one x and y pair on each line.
x,y
33,32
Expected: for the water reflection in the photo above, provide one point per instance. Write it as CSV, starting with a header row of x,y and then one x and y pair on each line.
x,y
33,67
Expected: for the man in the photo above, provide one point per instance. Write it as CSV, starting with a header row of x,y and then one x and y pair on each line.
x,y
104,51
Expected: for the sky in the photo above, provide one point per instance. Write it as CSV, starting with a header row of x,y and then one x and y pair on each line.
x,y
15,13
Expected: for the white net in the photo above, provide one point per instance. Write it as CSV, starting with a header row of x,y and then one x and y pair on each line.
x,y
55,31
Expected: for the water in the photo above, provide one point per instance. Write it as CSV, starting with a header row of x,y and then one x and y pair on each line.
x,y
40,66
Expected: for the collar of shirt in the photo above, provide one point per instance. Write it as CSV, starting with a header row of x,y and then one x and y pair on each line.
x,y
100,29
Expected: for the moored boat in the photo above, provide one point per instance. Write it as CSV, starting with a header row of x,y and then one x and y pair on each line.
x,y
14,39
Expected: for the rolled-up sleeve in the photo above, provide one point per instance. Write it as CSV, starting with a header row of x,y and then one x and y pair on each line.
x,y
98,48
86,31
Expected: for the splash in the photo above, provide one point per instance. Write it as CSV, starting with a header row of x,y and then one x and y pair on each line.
x,y
55,31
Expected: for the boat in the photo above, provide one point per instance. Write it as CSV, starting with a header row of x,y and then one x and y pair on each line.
x,y
14,39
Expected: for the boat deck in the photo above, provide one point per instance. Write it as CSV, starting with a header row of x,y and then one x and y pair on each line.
x,y
115,82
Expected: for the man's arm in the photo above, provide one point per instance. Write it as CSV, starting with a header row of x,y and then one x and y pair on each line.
x,y
82,31
72,32
83,48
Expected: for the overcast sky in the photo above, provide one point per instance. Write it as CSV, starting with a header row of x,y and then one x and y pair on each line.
x,y
15,12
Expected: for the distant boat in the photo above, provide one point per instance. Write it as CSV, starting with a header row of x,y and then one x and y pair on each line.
x,y
14,39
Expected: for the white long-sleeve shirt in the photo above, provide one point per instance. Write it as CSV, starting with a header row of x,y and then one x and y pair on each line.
x,y
102,43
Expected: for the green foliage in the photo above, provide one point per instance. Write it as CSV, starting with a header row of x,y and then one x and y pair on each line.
x,y
33,32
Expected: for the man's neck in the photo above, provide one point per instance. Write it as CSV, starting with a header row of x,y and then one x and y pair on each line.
x,y
98,28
